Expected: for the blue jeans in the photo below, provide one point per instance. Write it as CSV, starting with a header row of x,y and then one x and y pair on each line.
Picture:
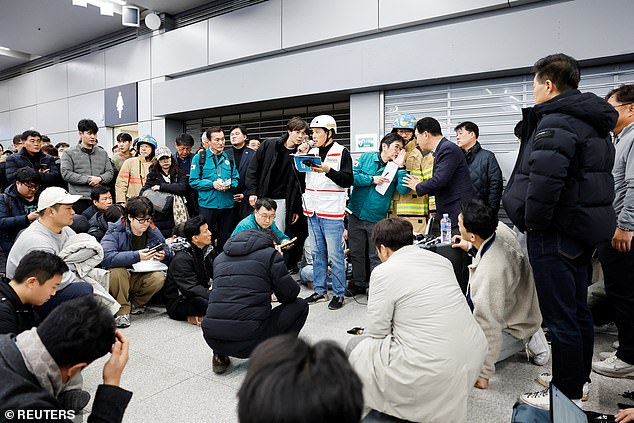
x,y
562,270
326,237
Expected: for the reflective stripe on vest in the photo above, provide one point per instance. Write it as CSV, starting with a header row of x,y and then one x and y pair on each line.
x,y
322,196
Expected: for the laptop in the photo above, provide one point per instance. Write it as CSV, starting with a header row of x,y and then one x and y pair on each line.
x,y
563,410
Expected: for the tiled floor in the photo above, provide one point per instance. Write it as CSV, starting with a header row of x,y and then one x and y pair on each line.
x,y
169,371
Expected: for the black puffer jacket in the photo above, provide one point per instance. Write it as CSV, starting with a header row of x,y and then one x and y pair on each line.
x,y
13,215
15,317
245,275
189,273
562,180
486,175
36,162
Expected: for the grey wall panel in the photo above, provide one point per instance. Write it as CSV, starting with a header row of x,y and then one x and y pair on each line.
x,y
52,117
144,104
145,128
22,91
51,83
63,137
246,32
87,74
365,116
128,62
179,50
489,43
4,96
5,128
394,13
23,119
87,106
307,21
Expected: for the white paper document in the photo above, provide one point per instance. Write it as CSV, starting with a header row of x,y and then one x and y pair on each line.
x,y
149,266
389,172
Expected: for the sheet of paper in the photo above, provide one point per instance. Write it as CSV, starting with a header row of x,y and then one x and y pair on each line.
x,y
389,172
149,266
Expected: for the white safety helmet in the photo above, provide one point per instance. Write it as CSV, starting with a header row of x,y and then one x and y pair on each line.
x,y
324,121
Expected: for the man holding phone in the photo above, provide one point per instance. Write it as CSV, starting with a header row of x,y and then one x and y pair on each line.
x,y
263,217
133,239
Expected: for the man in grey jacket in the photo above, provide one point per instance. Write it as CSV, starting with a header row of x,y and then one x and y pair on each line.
x,y
617,255
86,165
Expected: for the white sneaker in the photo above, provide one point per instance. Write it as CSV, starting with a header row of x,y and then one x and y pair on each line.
x,y
122,321
539,399
614,367
137,310
606,354
544,379
538,349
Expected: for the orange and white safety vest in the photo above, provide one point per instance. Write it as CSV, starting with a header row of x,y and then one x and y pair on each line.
x,y
323,197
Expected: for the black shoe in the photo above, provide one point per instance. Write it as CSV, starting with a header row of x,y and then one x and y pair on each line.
x,y
336,303
75,400
220,363
315,298
355,290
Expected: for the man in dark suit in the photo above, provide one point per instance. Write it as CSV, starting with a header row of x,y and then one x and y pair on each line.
x,y
241,156
450,183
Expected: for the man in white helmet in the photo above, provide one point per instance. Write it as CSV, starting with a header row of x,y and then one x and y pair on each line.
x,y
324,204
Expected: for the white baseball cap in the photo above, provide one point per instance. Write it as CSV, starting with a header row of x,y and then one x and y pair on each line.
x,y
55,195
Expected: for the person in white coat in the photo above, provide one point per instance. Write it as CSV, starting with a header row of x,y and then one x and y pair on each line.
x,y
424,350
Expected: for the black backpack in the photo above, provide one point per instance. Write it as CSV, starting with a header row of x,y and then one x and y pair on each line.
x,y
202,158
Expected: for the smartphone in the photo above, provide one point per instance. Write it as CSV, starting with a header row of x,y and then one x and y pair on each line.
x,y
156,248
43,166
289,244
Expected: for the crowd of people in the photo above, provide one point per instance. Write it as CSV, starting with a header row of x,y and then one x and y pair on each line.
x,y
88,239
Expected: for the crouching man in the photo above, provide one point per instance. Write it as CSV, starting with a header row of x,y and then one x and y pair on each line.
x,y
35,365
239,315
127,242
423,350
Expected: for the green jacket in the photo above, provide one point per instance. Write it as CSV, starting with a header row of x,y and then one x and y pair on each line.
x,y
250,223
365,203
216,167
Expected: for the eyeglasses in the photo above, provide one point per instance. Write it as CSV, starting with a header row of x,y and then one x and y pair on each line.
x,y
265,217
624,104
143,220
32,187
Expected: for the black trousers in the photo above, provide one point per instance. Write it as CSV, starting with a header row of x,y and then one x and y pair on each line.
x,y
285,319
193,306
362,251
220,223
618,273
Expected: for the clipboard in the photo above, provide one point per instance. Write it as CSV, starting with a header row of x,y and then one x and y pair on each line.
x,y
302,160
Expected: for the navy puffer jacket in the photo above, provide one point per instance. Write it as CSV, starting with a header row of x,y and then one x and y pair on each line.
x,y
247,272
562,180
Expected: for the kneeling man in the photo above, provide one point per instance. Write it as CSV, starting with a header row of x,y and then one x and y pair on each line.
x,y
239,315
424,349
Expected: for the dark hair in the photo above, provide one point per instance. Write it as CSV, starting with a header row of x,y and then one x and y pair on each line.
x,y
30,133
212,130
17,139
97,191
470,127
174,167
391,138
428,124
559,68
185,139
78,331
270,233
191,228
296,124
50,150
267,203
87,125
113,213
124,136
41,265
139,207
27,175
242,129
478,218
45,139
622,94
518,129
289,380
394,233
61,144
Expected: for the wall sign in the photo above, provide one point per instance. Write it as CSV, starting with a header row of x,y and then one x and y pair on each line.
x,y
121,105
365,142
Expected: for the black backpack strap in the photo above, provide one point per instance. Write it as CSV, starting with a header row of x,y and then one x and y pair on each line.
x,y
202,158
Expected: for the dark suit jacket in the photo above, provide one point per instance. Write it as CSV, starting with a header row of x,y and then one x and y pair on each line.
x,y
247,156
450,182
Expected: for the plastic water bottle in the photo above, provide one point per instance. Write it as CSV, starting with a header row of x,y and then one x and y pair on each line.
x,y
445,229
